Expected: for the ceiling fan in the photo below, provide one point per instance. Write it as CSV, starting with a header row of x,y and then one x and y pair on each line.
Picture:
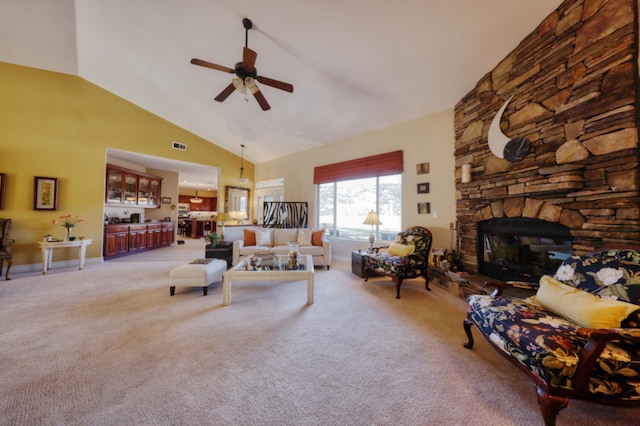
x,y
246,74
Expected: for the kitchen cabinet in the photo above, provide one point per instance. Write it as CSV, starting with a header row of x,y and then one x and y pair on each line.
x,y
154,239
212,204
202,228
130,188
168,234
125,239
116,240
137,237
154,192
114,186
143,191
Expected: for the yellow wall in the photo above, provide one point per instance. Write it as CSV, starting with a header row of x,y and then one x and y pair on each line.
x,y
58,125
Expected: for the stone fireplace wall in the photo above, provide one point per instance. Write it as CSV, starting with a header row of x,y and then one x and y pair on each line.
x,y
574,82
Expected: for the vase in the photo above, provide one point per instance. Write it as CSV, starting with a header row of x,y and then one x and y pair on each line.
x,y
294,255
68,233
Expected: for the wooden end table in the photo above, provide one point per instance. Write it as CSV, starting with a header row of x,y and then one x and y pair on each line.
x,y
222,251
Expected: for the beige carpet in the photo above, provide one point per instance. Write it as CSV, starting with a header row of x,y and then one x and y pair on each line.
x,y
108,346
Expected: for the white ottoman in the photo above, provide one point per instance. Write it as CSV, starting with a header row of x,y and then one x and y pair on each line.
x,y
199,273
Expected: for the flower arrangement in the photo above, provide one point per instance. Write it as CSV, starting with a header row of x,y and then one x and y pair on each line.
x,y
67,221
213,238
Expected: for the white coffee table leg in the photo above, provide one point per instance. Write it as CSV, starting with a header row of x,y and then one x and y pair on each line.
x,y
226,290
310,290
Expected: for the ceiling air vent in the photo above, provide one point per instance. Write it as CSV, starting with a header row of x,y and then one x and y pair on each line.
x,y
179,146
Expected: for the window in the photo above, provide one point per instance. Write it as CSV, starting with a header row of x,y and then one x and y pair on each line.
x,y
347,191
343,206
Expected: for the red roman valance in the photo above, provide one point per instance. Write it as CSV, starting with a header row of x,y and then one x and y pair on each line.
x,y
375,165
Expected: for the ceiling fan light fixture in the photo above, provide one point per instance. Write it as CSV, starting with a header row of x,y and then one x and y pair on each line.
x,y
239,85
247,74
242,178
250,83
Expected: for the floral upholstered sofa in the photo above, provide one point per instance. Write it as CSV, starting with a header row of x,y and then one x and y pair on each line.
x,y
578,337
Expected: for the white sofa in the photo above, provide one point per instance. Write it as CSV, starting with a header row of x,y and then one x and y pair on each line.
x,y
277,239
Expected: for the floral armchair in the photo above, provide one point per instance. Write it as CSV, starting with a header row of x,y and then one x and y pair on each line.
x,y
407,257
578,337
6,246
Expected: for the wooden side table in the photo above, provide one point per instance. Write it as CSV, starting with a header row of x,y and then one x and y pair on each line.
x,y
222,251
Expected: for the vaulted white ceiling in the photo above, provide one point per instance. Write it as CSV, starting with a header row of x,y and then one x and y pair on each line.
x,y
356,65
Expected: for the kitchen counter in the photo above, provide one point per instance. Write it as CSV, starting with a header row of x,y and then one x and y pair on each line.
x,y
200,227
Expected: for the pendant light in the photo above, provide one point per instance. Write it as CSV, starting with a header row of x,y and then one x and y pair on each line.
x,y
242,178
196,200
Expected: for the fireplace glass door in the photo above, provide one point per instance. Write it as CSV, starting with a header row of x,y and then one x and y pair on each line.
x,y
522,249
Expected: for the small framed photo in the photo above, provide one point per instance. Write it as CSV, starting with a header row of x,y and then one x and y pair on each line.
x,y
3,185
423,188
166,200
45,193
422,168
424,208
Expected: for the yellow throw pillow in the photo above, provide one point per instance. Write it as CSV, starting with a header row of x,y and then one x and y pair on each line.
x,y
581,307
396,249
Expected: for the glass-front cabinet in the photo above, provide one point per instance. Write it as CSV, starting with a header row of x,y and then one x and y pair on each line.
x,y
114,186
154,192
130,188
143,191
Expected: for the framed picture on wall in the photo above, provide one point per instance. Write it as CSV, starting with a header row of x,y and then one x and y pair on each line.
x,y
422,168
3,184
424,208
423,188
166,200
45,193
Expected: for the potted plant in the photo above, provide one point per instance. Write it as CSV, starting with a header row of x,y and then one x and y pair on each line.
x,y
213,239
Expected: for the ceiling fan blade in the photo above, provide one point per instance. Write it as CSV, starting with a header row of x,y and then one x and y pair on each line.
x,y
249,58
225,93
211,65
261,100
275,83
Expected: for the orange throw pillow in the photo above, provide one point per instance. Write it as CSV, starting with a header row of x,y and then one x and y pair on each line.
x,y
317,237
249,237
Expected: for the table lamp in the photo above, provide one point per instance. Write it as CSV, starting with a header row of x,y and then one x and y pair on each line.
x,y
371,219
222,218
240,216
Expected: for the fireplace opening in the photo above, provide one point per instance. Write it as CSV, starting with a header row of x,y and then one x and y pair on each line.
x,y
521,249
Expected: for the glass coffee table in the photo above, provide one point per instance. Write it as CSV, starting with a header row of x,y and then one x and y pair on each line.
x,y
243,272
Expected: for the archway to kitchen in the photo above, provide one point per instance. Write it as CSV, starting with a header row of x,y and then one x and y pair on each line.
x,y
179,179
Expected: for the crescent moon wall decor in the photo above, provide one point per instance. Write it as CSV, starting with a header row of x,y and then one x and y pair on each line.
x,y
496,139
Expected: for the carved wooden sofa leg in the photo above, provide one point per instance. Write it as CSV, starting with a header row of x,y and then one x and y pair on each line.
x,y
550,406
467,329
398,282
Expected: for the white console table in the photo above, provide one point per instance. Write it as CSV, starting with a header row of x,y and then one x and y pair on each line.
x,y
48,246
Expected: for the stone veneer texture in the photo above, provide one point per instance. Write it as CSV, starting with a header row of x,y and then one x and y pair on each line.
x,y
574,82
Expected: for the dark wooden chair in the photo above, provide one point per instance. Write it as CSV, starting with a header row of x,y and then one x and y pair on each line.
x,y
6,246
